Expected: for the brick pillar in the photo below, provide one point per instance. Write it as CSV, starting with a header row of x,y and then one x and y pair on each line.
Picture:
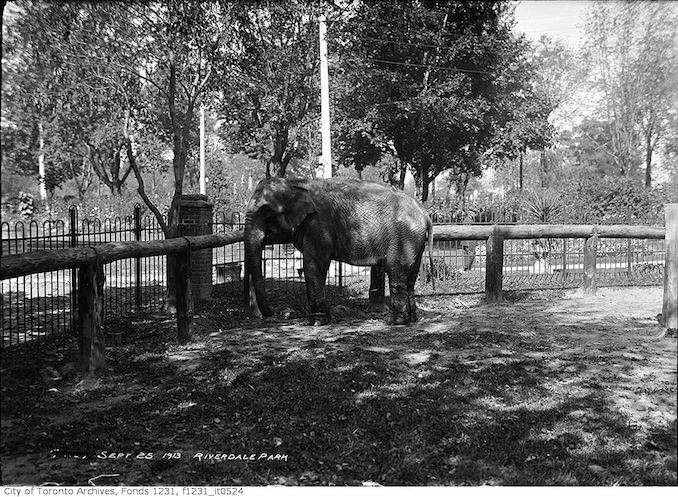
x,y
196,219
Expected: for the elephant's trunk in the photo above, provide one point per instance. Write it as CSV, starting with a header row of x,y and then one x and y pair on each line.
x,y
254,280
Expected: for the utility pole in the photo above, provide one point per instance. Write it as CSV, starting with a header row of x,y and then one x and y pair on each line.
x,y
203,186
41,163
326,157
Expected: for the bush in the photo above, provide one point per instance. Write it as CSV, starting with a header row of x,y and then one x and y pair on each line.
x,y
611,199
25,206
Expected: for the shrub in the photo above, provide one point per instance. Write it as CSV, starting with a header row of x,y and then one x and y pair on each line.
x,y
611,199
25,205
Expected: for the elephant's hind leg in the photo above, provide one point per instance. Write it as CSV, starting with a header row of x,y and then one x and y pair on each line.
x,y
411,301
315,272
397,281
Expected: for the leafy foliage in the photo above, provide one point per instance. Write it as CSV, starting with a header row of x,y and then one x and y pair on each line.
x,y
543,206
270,88
431,85
630,54
612,199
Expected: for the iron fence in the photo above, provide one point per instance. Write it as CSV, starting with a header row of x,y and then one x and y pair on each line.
x,y
38,305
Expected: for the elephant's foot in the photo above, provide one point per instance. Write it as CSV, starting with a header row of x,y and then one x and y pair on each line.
x,y
398,320
319,319
378,307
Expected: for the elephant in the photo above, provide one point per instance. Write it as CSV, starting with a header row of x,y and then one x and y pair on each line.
x,y
352,221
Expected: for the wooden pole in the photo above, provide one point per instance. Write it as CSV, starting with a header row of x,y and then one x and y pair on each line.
x,y
629,247
137,261
590,249
670,305
41,261
91,342
73,231
494,266
326,148
527,231
184,295
564,270
203,182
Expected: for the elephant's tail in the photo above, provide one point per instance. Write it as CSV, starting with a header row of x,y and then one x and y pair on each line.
x,y
430,254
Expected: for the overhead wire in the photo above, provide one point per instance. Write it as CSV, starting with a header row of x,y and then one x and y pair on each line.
x,y
413,64
441,47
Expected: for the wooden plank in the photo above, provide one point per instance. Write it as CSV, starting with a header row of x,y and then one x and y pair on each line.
x,y
91,341
184,294
475,232
590,254
41,261
670,303
494,266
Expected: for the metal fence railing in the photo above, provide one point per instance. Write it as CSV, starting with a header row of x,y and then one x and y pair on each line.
x,y
32,307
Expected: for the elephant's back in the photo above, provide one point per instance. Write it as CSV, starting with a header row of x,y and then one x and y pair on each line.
x,y
376,218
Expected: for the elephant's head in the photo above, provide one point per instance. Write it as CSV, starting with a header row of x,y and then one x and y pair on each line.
x,y
274,213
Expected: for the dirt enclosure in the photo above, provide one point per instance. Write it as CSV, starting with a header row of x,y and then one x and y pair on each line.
x,y
549,388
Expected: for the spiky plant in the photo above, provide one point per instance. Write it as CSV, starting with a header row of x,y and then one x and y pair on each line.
x,y
543,206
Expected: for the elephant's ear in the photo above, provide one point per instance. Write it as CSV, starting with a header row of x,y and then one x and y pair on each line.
x,y
299,207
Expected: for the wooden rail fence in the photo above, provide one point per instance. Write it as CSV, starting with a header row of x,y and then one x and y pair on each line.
x,y
91,259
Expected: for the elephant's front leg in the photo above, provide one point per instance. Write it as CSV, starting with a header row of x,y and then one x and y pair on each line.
x,y
377,288
316,264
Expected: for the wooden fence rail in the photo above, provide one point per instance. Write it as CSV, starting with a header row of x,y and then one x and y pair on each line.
x,y
91,259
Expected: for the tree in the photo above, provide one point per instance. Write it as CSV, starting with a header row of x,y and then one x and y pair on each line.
x,y
424,81
631,52
271,87
133,69
79,125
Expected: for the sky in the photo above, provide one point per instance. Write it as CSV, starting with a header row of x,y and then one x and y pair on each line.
x,y
560,19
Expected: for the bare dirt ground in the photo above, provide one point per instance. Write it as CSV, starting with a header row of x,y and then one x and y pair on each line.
x,y
549,388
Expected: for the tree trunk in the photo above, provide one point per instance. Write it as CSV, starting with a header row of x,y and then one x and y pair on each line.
x,y
520,171
544,168
425,183
401,177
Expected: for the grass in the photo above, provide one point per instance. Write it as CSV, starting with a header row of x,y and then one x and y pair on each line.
x,y
532,392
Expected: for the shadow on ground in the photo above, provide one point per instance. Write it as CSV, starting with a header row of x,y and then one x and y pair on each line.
x,y
539,391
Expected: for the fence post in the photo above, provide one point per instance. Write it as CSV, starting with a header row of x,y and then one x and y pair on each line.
x,y
91,342
564,270
494,266
137,261
670,304
73,242
629,246
590,252
184,295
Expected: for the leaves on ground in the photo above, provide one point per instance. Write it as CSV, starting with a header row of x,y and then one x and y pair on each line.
x,y
549,389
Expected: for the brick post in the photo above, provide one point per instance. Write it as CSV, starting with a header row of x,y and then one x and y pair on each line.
x,y
196,219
